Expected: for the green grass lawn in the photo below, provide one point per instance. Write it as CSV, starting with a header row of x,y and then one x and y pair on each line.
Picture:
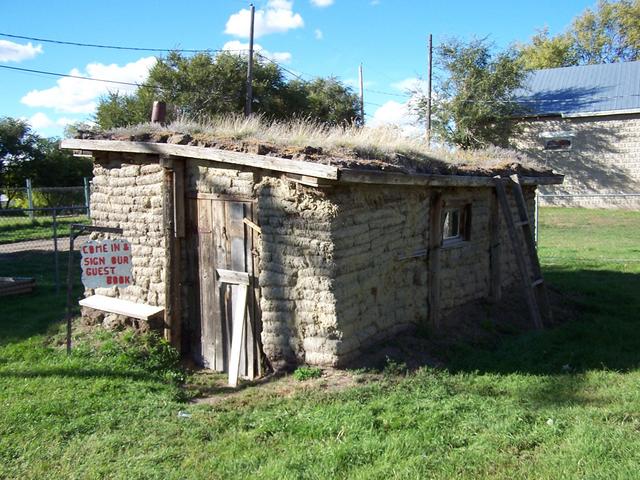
x,y
18,229
563,403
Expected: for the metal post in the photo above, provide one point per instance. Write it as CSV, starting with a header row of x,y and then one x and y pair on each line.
x,y
87,197
429,78
248,107
30,198
55,250
361,94
70,287
537,216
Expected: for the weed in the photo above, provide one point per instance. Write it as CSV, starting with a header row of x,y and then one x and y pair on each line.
x,y
307,373
394,368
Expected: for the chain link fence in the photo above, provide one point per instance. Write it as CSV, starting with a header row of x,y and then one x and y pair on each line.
x,y
615,201
34,229
624,201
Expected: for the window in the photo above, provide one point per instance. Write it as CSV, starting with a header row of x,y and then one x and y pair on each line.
x,y
557,140
456,224
557,144
451,227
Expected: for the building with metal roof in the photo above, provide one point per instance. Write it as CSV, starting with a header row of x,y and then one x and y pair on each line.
x,y
584,90
584,122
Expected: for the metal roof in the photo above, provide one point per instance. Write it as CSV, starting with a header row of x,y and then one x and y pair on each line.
x,y
612,88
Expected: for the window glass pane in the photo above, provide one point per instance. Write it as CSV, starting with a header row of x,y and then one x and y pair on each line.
x,y
557,144
451,226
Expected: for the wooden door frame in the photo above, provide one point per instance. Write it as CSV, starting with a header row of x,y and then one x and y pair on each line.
x,y
254,361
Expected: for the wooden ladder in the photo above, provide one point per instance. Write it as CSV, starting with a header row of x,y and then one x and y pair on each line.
x,y
532,282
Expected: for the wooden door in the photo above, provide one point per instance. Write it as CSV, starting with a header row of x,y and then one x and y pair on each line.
x,y
219,238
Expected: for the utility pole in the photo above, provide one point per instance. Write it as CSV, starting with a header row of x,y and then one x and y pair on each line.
x,y
430,75
249,102
361,95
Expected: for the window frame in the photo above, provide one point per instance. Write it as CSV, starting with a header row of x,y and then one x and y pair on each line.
x,y
557,137
463,234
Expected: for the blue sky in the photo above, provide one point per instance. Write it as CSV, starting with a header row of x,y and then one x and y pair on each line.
x,y
309,37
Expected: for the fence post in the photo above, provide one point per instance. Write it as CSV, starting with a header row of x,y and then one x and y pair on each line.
x,y
87,197
30,198
55,250
537,216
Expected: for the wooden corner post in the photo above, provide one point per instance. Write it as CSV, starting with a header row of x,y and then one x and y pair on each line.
x,y
171,218
433,259
495,250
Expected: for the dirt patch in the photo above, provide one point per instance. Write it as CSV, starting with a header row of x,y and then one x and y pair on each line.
x,y
477,324
210,388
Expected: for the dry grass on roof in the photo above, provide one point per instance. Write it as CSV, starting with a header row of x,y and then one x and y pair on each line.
x,y
379,148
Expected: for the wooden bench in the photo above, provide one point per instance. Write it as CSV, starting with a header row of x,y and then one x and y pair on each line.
x,y
141,311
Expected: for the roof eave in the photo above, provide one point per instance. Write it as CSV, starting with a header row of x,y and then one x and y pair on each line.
x,y
330,173
602,113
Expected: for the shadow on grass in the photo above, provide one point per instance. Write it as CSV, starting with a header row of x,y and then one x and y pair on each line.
x,y
26,315
63,372
604,336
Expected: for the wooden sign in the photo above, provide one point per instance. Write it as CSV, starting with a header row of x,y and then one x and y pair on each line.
x,y
106,263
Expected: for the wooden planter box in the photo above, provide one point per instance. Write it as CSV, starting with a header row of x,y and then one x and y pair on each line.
x,y
16,285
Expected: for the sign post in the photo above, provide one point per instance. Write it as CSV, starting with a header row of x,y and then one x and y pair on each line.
x,y
76,230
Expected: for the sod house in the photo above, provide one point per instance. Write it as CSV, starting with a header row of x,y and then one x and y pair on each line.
x,y
338,252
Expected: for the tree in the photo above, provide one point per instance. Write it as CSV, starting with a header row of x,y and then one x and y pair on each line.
x,y
17,153
474,103
24,154
117,110
548,52
207,85
609,34
327,100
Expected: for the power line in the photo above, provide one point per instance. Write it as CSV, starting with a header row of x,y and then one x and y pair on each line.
x,y
403,95
279,65
112,47
79,77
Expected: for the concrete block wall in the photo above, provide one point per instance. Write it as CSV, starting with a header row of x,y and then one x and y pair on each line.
x,y
604,158
126,192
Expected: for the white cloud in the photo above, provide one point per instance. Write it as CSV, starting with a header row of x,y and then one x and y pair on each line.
x,y
64,121
399,115
236,45
277,17
322,3
40,120
16,52
373,3
74,95
410,85
318,34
